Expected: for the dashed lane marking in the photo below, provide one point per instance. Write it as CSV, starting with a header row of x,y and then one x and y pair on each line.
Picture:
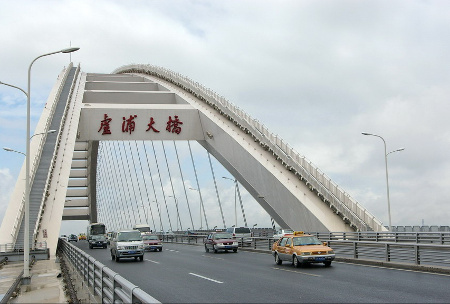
x,y
206,278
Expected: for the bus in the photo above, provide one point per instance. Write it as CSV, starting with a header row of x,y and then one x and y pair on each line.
x,y
143,228
96,235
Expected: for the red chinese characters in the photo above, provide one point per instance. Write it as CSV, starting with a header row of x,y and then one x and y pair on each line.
x,y
129,125
104,125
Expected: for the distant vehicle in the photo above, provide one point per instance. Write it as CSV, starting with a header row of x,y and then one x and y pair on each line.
x,y
300,248
82,236
73,238
143,228
96,235
242,234
281,233
127,244
108,237
220,241
152,242
64,237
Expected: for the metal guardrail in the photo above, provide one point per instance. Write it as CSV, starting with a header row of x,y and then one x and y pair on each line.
x,y
382,247
337,199
442,238
108,285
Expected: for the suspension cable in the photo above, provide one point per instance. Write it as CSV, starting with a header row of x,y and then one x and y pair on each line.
x,y
132,184
184,186
125,205
161,228
198,187
162,188
171,184
242,206
145,186
119,195
139,184
217,191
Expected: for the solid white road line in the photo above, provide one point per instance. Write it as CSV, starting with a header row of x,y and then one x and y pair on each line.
x,y
209,279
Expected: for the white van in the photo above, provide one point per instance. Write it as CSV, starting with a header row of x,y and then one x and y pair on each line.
x,y
127,244
242,234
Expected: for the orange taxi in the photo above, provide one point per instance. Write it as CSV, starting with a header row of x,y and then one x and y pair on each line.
x,y
300,248
82,236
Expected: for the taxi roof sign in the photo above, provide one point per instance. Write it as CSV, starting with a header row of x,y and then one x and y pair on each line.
x,y
298,232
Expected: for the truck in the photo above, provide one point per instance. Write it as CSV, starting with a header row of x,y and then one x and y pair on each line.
x,y
96,235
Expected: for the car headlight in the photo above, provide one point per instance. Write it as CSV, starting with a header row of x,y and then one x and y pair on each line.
x,y
141,246
120,247
331,252
235,243
306,253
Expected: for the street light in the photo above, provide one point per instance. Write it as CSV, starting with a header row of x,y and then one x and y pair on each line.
x,y
26,244
387,178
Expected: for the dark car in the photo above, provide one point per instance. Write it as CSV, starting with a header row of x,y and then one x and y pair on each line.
x,y
73,238
220,241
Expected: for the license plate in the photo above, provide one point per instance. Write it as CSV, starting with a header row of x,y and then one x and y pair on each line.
x,y
320,259
131,251
227,247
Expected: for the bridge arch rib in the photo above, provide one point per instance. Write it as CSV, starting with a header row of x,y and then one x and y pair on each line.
x,y
301,196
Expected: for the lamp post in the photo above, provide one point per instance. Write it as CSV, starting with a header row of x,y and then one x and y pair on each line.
x,y
387,178
26,249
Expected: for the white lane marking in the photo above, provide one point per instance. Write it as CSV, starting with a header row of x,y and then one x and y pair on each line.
x,y
210,257
209,279
314,275
152,261
172,250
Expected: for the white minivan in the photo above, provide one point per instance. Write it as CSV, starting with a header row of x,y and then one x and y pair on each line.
x,y
127,244
242,234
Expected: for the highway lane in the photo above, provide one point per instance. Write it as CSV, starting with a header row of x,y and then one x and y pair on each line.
x,y
182,273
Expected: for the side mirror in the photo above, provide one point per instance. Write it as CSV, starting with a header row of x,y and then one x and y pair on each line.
x,y
325,243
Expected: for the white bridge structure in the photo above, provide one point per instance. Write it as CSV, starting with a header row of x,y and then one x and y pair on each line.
x,y
145,102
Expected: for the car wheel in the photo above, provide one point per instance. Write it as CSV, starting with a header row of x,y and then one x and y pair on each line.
x,y
112,256
327,263
141,258
160,249
214,248
235,250
296,261
206,248
278,261
117,258
90,247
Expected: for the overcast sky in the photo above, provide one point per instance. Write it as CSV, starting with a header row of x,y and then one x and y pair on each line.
x,y
317,73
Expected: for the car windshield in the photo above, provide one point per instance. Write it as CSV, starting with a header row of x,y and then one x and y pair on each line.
x,y
306,240
129,236
221,236
150,237
97,237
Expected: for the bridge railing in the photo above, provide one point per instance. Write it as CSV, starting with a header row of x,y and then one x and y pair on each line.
x,y
37,155
338,200
106,284
431,249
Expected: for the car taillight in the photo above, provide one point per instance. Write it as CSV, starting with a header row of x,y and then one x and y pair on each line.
x,y
234,234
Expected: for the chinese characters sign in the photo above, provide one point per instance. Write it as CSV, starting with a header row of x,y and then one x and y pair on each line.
x,y
129,125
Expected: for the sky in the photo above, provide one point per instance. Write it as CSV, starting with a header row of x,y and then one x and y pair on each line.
x,y
317,73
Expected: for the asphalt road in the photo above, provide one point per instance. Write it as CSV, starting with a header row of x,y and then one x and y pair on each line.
x,y
187,274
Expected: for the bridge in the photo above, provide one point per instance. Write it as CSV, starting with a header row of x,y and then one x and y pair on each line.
x,y
101,164
144,104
